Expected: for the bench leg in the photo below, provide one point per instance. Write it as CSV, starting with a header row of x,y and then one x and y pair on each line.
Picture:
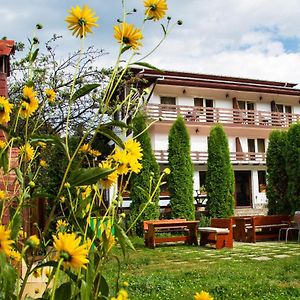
x,y
204,238
221,241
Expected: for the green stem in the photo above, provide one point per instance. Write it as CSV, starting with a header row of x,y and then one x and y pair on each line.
x,y
56,279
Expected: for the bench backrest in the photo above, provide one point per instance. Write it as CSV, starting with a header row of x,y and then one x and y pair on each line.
x,y
160,221
222,223
269,220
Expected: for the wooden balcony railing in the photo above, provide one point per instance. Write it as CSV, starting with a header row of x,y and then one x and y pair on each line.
x,y
201,157
238,117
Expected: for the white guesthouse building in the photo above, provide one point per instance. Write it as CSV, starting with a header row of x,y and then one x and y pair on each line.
x,y
248,109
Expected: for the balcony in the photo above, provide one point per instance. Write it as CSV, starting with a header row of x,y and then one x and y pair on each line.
x,y
237,158
233,117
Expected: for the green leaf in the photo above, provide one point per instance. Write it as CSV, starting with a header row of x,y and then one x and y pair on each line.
x,y
88,176
34,55
111,135
4,162
48,138
84,90
117,124
19,175
124,49
104,288
147,65
123,238
64,291
15,224
85,291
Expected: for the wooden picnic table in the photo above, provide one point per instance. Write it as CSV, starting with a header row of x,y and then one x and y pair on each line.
x,y
190,228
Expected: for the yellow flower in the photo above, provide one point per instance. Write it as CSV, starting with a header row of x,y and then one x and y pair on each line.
x,y
133,149
5,241
43,163
42,145
155,9
81,20
203,296
61,225
37,273
62,199
94,153
85,148
33,241
51,95
22,234
86,192
135,166
67,246
30,103
2,144
111,178
27,151
121,160
14,255
5,110
129,35
2,195
122,295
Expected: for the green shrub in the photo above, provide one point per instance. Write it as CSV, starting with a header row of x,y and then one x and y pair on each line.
x,y
143,184
182,172
277,178
220,175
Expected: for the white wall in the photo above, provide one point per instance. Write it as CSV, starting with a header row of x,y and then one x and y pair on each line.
x,y
198,143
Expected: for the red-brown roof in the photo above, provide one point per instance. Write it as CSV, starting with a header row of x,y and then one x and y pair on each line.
x,y
7,47
218,82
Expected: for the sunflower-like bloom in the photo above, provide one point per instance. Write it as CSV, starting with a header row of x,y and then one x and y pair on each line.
x,y
122,295
2,195
67,246
61,225
120,158
29,102
43,163
110,179
5,241
51,95
5,110
33,241
14,255
85,148
203,296
155,9
94,153
133,149
2,144
27,151
128,34
81,20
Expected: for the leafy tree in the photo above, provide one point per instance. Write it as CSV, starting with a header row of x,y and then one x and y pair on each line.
x,y
182,172
277,178
220,175
141,186
293,166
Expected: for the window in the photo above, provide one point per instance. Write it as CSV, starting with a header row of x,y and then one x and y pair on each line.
x,y
168,100
198,102
261,145
261,181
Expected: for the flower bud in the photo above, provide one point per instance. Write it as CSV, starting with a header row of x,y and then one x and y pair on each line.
x,y
67,185
39,26
179,22
32,184
167,171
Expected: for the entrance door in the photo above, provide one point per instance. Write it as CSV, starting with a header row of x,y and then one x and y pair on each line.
x,y
243,195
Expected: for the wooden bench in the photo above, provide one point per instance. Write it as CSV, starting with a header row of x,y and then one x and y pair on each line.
x,y
240,228
266,227
220,233
152,227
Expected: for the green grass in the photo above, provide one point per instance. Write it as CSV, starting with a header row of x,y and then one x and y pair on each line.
x,y
178,271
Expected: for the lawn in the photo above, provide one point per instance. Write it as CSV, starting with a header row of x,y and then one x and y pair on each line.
x,y
265,270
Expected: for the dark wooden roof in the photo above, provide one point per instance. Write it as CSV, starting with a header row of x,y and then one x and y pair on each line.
x,y
217,82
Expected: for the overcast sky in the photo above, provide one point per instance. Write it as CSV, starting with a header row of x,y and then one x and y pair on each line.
x,y
246,38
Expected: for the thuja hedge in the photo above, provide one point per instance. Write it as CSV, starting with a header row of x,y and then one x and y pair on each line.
x,y
293,166
142,184
182,172
277,177
220,175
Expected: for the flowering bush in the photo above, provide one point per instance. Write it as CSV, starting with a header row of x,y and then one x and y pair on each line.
x,y
77,238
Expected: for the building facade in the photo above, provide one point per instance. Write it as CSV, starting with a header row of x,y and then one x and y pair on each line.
x,y
248,110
